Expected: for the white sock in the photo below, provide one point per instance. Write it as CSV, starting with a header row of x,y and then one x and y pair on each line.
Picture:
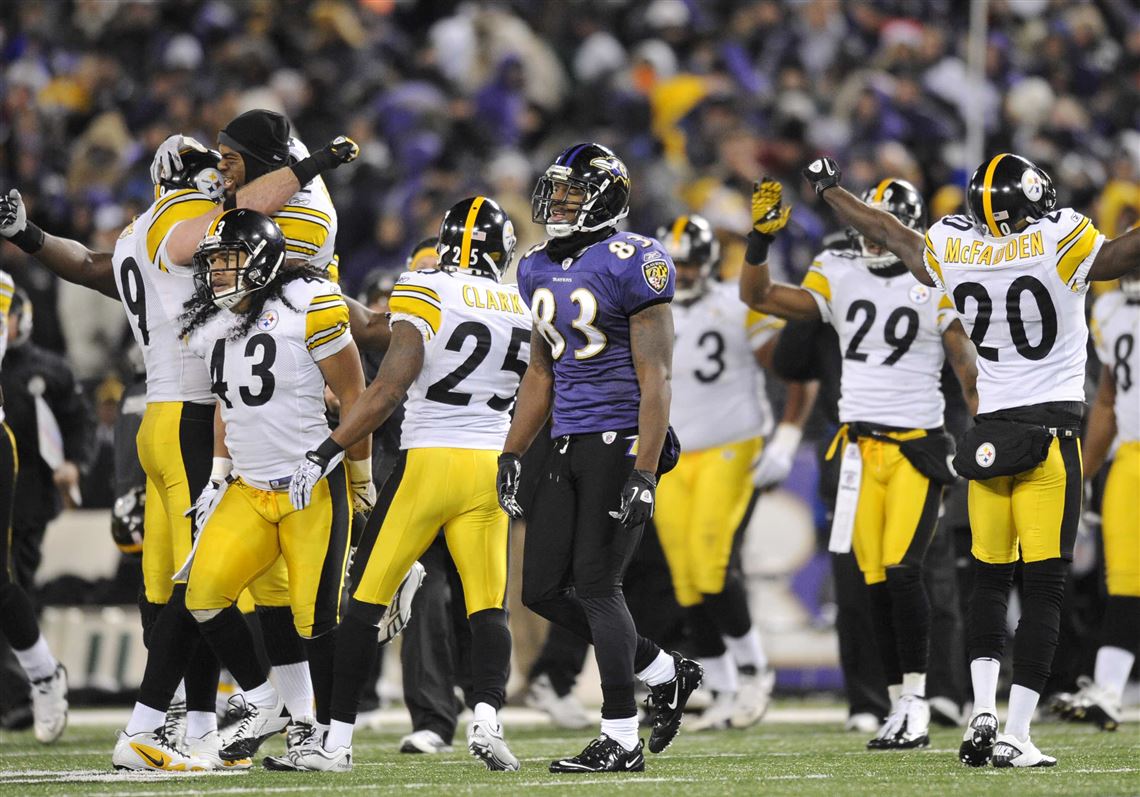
x,y
339,735
295,685
984,676
661,670
179,693
894,692
199,723
623,731
262,696
720,674
37,661
145,719
1022,704
485,713
914,683
1112,668
747,650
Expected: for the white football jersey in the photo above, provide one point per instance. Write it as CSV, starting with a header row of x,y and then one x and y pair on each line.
x,y
7,289
267,381
718,387
308,221
153,291
890,338
477,346
1116,332
1021,299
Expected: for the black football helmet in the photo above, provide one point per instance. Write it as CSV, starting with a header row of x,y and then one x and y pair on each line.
x,y
127,525
199,170
598,174
476,234
1007,193
237,232
20,315
690,241
901,200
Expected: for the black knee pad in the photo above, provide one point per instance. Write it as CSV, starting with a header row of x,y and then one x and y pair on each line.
x,y
910,614
989,601
1122,623
282,642
363,613
1043,594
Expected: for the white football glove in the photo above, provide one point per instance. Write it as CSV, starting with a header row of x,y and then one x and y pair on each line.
x,y
13,214
166,158
776,459
211,495
308,473
363,490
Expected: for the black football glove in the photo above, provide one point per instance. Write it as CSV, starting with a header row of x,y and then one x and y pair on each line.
x,y
341,149
507,484
637,499
822,173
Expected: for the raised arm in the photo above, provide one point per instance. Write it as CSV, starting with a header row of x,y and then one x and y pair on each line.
x,y
536,394
1117,257
67,259
878,225
963,357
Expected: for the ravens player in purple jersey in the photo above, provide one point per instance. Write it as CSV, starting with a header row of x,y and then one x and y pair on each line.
x,y
601,353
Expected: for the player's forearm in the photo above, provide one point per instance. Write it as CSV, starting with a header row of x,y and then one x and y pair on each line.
x,y
1102,426
798,403
369,329
361,449
1117,257
652,418
220,449
963,358
881,227
359,420
755,283
532,409
74,262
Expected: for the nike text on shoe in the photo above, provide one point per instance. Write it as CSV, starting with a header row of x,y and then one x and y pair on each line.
x,y
603,755
49,705
485,742
152,751
978,740
255,725
300,735
1009,751
424,741
669,701
207,748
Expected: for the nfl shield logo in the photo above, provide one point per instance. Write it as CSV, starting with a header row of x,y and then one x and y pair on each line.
x,y
609,437
656,275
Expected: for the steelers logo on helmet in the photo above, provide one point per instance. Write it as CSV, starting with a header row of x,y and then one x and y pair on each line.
x,y
1031,185
199,170
477,235
1008,193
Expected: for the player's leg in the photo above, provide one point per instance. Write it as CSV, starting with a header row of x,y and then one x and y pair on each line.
x,y
911,504
408,513
1046,512
18,617
994,548
477,540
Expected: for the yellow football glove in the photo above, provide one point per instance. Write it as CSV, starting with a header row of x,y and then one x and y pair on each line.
x,y
768,217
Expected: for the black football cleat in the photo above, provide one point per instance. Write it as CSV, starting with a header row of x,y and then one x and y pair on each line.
x,y
669,701
603,755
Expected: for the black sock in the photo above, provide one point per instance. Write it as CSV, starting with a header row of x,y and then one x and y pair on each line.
x,y
704,633
232,642
17,616
322,651
282,642
910,614
1043,593
356,650
989,601
882,620
1122,622
202,672
490,657
615,643
174,639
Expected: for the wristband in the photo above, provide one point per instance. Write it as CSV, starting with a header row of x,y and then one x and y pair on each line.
x,y
221,469
310,168
30,239
757,252
359,470
327,450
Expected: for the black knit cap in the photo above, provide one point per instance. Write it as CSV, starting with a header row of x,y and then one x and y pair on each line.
x,y
262,139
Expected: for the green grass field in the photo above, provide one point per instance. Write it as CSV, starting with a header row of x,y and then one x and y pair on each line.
x,y
773,759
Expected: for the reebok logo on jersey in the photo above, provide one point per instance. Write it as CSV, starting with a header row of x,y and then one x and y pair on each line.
x,y
985,455
656,275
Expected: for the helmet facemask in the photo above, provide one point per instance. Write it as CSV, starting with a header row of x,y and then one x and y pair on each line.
x,y
554,189
238,259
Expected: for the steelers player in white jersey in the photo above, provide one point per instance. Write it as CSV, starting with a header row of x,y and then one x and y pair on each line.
x,y
1114,420
1016,269
18,625
460,344
272,335
149,273
720,410
893,335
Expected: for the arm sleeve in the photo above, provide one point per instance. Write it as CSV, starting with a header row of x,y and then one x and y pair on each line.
x,y
174,207
413,298
1077,246
932,263
306,230
326,324
816,283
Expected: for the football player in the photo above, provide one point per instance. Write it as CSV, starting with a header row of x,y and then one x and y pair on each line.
x,y
459,346
17,615
601,353
704,506
1016,269
893,449
273,334
1115,416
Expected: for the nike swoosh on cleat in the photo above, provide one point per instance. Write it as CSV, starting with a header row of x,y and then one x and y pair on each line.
x,y
630,764
160,762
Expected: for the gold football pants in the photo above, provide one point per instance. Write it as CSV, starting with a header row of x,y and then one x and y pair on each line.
x,y
1121,522
701,505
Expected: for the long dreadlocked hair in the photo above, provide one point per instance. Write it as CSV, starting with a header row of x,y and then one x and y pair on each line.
x,y
199,310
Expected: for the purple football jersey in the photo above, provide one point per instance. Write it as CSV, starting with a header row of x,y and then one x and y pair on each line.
x,y
582,308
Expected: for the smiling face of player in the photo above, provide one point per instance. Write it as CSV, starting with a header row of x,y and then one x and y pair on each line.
x,y
232,167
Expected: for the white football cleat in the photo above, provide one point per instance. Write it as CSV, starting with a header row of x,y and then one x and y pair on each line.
x,y
255,724
1009,751
485,742
301,736
718,716
1091,703
208,749
315,758
753,698
425,741
49,705
153,752
399,611
564,711
907,726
